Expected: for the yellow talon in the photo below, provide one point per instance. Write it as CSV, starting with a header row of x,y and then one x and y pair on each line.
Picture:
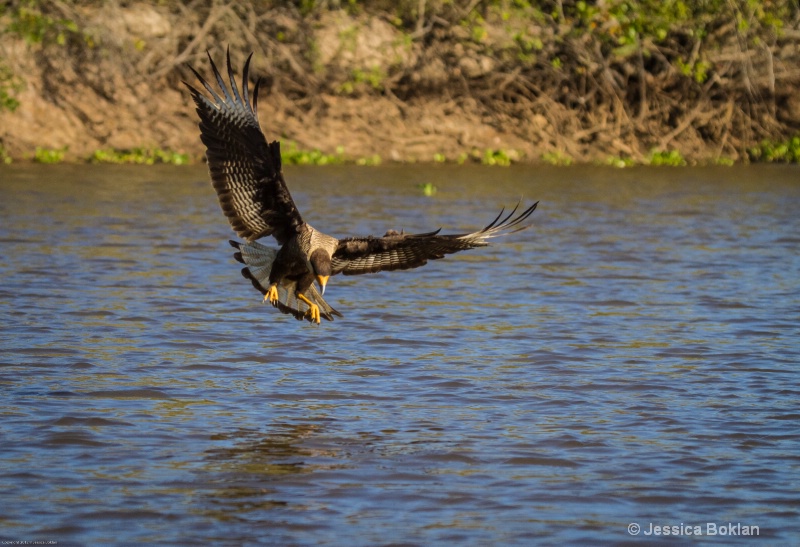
x,y
272,294
314,312
313,309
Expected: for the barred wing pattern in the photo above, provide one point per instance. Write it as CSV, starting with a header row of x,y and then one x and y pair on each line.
x,y
245,170
396,251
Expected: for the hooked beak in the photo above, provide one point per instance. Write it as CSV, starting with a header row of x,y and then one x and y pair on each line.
x,y
322,280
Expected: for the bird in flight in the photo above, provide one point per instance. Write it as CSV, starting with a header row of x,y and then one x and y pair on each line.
x,y
246,173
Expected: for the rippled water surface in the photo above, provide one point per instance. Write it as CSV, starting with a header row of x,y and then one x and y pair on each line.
x,y
632,358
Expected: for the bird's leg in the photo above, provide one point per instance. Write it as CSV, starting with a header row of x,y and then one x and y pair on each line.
x,y
313,309
272,294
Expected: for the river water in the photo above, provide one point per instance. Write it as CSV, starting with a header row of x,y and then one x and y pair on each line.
x,y
630,359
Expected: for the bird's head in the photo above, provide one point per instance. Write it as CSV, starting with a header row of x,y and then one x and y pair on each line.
x,y
321,264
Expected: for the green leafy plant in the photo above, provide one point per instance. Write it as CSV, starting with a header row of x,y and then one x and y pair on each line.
x,y
139,156
49,155
666,157
10,85
770,151
30,21
557,158
291,155
527,46
697,70
501,157
619,161
4,157
427,188
373,77
375,159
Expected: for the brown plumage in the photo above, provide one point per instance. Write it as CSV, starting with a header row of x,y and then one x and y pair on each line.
x,y
246,173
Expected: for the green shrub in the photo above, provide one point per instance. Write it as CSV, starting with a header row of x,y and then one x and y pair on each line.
x,y
4,157
666,157
556,158
10,85
139,156
619,161
501,157
768,151
29,20
291,155
49,155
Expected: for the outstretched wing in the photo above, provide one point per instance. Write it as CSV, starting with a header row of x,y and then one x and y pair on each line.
x,y
245,170
397,251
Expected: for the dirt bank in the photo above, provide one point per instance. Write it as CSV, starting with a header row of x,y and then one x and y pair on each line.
x,y
484,79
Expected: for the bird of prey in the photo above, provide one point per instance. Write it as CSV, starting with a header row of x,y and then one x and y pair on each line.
x,y
246,173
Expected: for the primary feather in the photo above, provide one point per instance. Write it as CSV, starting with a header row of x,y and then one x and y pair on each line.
x,y
397,251
245,170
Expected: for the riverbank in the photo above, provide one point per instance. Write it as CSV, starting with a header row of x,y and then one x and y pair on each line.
x,y
491,82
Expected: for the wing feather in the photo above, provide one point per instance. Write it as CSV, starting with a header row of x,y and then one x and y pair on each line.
x,y
245,169
397,251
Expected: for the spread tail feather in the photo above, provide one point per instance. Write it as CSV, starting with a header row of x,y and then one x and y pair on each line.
x,y
258,260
